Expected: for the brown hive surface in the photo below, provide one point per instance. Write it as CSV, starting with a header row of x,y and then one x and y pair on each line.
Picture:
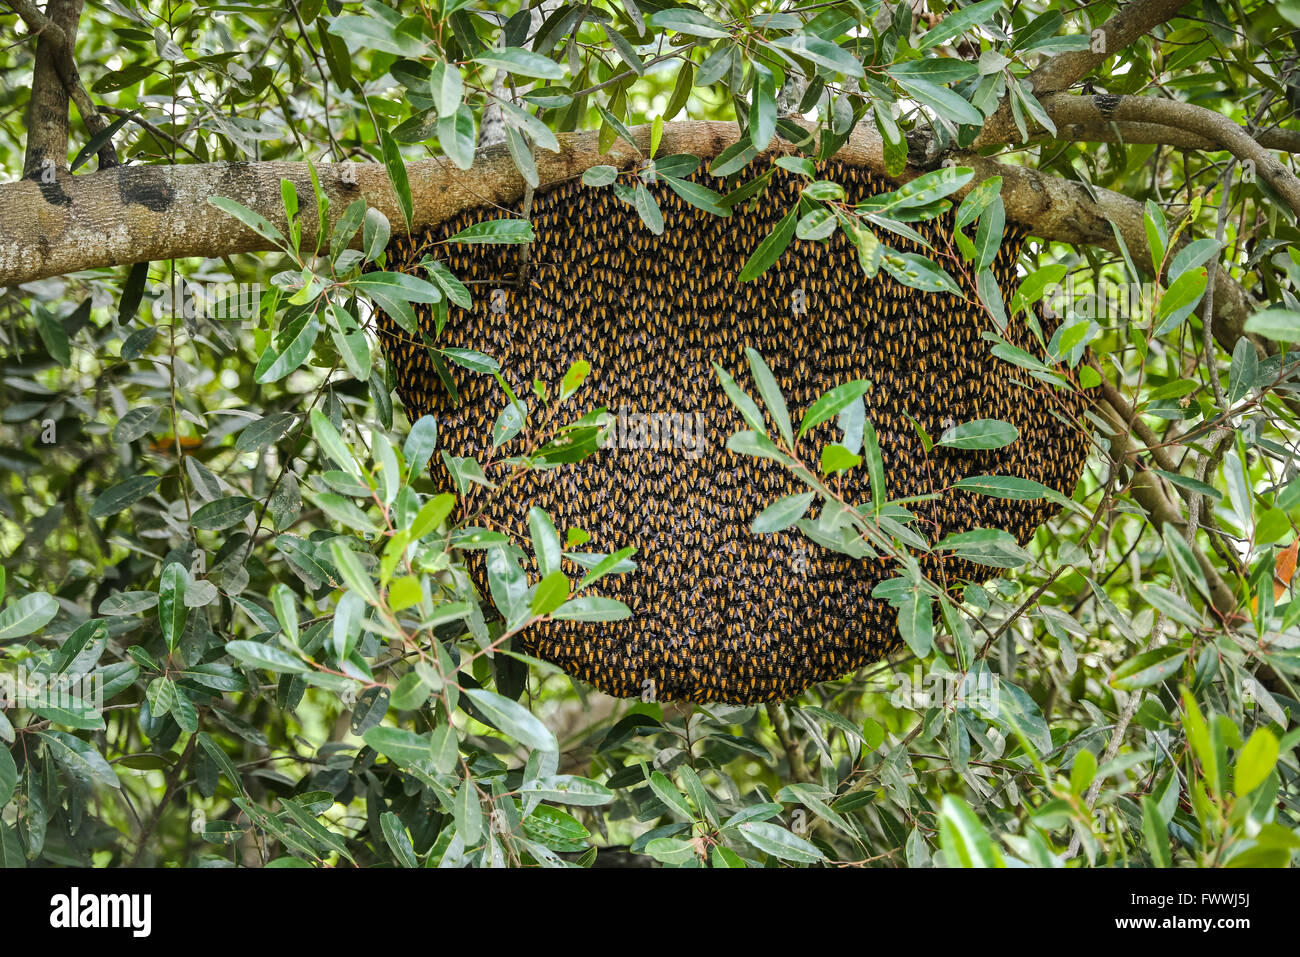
x,y
719,613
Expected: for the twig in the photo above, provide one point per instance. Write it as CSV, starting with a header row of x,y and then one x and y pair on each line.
x,y
173,778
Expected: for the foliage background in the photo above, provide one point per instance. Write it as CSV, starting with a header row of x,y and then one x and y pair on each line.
x,y
187,500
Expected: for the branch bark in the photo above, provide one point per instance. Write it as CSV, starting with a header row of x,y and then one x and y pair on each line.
x,y
1095,129
47,107
131,214
57,30
1060,72
1188,121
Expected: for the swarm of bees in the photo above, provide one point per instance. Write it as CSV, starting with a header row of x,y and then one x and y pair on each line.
x,y
720,613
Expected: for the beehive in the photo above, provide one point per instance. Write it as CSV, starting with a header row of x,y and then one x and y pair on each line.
x,y
719,613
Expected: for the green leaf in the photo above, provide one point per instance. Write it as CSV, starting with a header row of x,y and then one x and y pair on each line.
x,y
349,565
1243,371
965,842
916,622
472,359
782,513
350,341
160,695
701,197
458,136
255,654
596,176
254,221
831,403
273,365
397,175
1155,830
411,692
1006,486
1255,761
377,33
836,458
568,789
123,495
80,759
432,514
822,52
286,610
667,792
332,444
446,87
27,615
221,760
762,115
942,100
496,231
770,249
647,207
552,592
977,200
1178,301
171,603
53,335
749,410
918,272
421,442
1281,325
223,513
771,393
136,423
779,842
980,434
875,467
513,719
958,23
402,747
468,813
521,63
688,21
8,776
1148,668
592,608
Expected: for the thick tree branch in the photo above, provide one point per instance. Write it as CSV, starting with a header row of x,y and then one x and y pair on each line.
x,y
57,36
1094,129
1060,72
1185,119
132,214
47,107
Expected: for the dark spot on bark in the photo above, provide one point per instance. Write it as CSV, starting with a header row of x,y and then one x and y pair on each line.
x,y
53,192
145,186
241,182
1107,103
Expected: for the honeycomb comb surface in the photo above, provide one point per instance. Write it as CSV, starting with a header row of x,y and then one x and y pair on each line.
x,y
719,613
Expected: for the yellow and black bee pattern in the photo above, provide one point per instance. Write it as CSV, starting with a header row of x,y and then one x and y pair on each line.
x,y
720,613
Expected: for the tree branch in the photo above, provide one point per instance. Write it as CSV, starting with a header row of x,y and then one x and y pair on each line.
x,y
47,107
1094,129
1186,120
57,35
1060,72
132,214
